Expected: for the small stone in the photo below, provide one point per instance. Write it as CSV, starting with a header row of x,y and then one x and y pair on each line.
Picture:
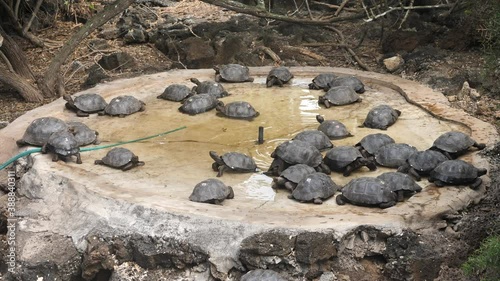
x,y
452,98
465,91
109,33
3,124
393,63
441,225
327,276
474,94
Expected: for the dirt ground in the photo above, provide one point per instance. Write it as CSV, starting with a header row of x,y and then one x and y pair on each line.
x,y
473,224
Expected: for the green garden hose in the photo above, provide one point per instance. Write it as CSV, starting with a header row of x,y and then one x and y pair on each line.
x,y
34,150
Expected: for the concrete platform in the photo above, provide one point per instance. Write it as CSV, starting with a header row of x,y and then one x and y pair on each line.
x,y
75,200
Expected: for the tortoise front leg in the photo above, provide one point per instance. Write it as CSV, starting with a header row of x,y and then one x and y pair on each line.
x,y
318,201
341,200
271,82
400,194
479,146
80,113
439,183
327,103
387,204
78,158
290,185
412,172
475,185
55,157
221,170
127,166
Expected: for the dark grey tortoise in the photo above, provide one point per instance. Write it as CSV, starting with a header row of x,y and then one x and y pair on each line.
x,y
198,104
367,191
340,95
350,81
237,110
120,158
83,134
122,106
278,76
346,159
421,163
62,144
296,152
232,161
209,87
402,184
176,92
212,191
381,117
292,175
40,130
457,172
334,129
321,81
262,275
394,155
85,104
371,143
315,138
232,73
315,187
455,143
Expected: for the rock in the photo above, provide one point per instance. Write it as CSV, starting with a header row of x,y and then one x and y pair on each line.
x,y
452,98
311,247
327,276
135,35
3,124
98,45
97,258
198,53
393,63
262,275
266,248
46,254
109,33
405,41
117,61
408,257
96,75
153,252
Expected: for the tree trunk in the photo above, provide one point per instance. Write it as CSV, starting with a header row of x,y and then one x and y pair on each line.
x,y
21,85
16,56
52,82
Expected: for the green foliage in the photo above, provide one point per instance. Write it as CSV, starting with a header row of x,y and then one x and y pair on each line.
x,y
490,38
485,262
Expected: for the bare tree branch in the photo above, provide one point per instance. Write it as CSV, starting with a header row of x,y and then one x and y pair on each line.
x,y
19,29
349,50
27,26
340,8
52,83
21,85
242,8
404,8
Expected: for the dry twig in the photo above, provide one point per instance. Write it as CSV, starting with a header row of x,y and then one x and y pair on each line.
x,y
348,49
265,50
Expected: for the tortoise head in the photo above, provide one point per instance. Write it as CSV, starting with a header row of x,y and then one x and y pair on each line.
x,y
215,156
196,81
320,118
68,98
219,106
